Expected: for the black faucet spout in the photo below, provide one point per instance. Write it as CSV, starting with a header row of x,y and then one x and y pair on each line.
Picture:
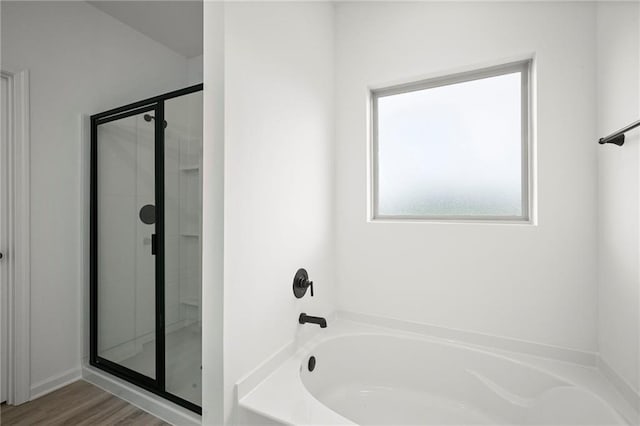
x,y
304,318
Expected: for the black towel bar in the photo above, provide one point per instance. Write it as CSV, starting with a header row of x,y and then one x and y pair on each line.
x,y
617,138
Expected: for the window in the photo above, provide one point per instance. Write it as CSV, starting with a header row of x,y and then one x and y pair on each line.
x,y
453,148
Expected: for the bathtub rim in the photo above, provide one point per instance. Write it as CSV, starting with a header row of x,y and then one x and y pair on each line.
x,y
494,343
475,338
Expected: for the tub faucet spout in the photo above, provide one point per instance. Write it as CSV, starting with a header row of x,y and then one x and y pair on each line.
x,y
304,318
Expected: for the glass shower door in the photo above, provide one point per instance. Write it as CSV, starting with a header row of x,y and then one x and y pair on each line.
x,y
145,283
126,242
183,245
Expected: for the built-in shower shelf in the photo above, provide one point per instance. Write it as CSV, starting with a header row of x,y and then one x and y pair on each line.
x,y
190,168
187,234
190,302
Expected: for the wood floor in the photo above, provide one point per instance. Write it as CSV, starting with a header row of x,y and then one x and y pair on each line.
x,y
79,403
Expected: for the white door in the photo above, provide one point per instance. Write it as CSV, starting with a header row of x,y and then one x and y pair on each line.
x,y
4,205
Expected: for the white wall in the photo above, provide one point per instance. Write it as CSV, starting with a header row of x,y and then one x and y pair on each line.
x,y
536,283
619,190
213,215
278,176
195,69
82,61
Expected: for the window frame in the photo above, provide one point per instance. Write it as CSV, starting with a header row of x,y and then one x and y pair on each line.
x,y
525,68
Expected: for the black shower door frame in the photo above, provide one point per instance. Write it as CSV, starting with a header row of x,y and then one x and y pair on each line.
x,y
157,385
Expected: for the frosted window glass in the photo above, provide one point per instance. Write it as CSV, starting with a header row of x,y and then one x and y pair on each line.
x,y
453,150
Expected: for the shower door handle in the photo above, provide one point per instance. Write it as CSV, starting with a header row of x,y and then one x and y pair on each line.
x,y
154,244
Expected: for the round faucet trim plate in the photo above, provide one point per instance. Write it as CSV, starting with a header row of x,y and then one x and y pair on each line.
x,y
301,278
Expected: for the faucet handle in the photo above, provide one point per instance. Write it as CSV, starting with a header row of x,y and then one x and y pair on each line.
x,y
301,283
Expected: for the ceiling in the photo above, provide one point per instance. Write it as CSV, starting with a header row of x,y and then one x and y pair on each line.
x,y
176,24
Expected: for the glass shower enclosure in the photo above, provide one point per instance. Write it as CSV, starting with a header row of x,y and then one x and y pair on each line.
x,y
145,289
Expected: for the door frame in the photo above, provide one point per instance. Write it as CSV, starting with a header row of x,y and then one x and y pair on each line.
x,y
156,385
17,249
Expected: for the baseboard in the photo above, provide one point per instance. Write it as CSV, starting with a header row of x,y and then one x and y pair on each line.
x,y
55,382
146,401
470,337
622,386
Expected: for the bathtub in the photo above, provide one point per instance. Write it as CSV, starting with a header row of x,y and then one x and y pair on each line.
x,y
370,375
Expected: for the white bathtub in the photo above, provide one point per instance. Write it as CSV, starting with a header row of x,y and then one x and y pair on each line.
x,y
373,376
